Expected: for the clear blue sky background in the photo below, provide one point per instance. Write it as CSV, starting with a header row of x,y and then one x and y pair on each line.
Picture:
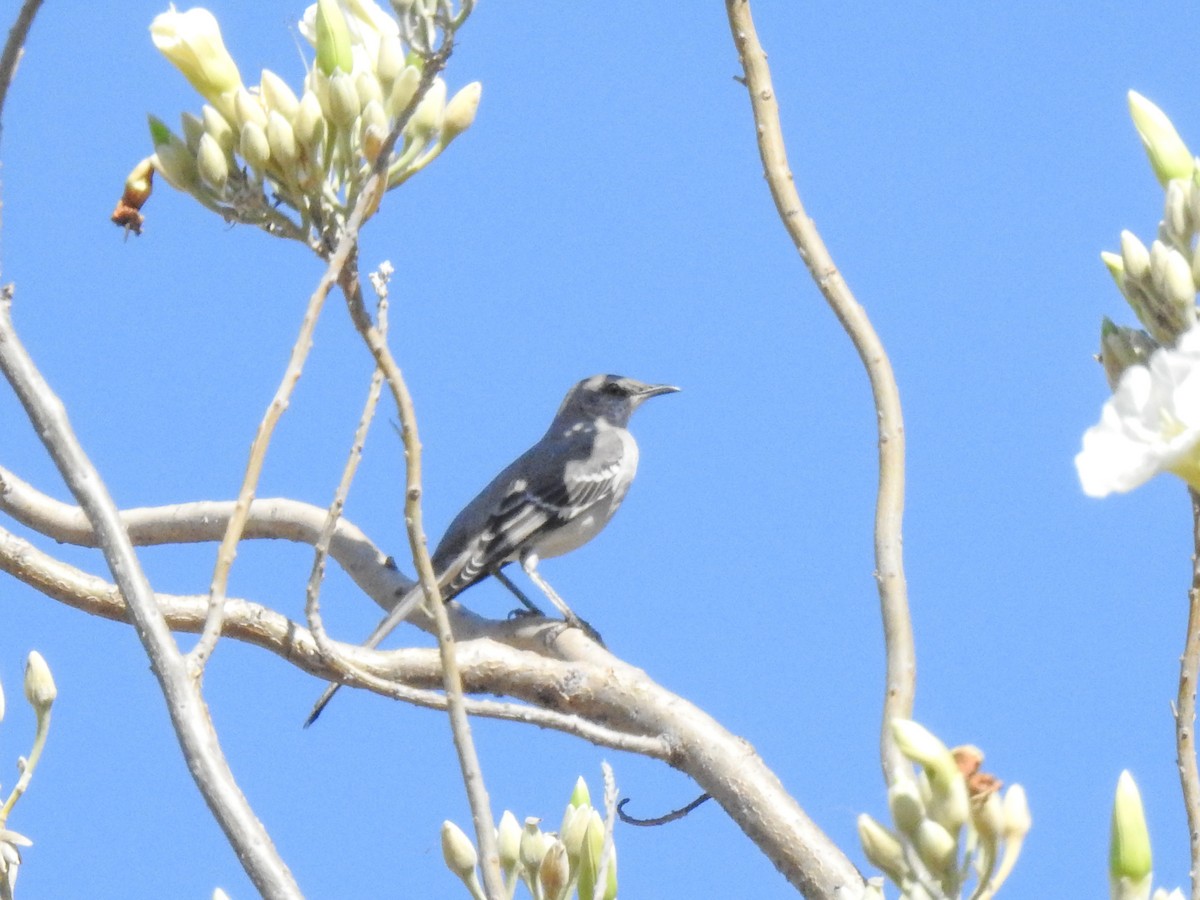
x,y
966,163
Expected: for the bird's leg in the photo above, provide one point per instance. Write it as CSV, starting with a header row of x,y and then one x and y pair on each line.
x,y
530,607
529,563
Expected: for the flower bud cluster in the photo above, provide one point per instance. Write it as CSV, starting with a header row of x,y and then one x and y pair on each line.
x,y
950,823
552,865
1160,281
253,149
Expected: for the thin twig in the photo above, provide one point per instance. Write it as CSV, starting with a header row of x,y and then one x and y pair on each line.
x,y
312,606
258,453
14,47
610,821
1185,709
185,703
889,508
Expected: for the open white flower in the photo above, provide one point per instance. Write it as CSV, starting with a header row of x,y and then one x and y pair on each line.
x,y
191,40
1150,424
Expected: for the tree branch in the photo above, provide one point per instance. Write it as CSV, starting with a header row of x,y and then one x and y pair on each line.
x,y
14,47
188,711
889,508
1185,709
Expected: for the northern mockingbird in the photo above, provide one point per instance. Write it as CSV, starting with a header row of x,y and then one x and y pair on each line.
x,y
554,497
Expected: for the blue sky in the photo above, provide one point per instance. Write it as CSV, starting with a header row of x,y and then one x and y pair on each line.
x,y
606,212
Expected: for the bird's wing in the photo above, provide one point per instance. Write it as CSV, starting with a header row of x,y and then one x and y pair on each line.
x,y
552,483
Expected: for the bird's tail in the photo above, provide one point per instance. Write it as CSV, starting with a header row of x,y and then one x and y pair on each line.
x,y
401,611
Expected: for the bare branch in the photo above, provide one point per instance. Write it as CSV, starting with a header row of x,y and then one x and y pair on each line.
x,y
187,523
1185,709
889,508
188,711
14,47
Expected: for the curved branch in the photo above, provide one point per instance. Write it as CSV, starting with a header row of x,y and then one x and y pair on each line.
x,y
889,507
14,47
189,523
586,692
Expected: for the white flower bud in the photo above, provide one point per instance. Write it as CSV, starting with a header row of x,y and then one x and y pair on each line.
x,y
368,88
882,848
508,840
249,109
460,111
343,99
554,872
309,125
937,848
254,146
458,850
278,96
1135,255
40,689
218,126
427,120
193,127
210,162
281,140
403,89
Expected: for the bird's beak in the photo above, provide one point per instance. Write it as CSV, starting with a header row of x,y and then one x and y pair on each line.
x,y
653,390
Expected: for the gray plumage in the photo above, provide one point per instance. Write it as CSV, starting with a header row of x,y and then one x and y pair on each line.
x,y
555,497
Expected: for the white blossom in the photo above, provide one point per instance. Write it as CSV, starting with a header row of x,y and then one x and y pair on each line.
x,y
1149,425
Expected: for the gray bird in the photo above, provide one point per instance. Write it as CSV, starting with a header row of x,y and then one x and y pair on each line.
x,y
555,497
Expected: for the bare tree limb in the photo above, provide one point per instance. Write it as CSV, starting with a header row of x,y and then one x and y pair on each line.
x,y
889,508
1185,709
185,703
13,48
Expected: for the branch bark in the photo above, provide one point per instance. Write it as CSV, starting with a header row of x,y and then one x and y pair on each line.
x,y
889,509
1185,709
185,704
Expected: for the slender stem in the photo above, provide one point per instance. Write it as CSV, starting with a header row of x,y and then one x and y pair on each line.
x,y
258,454
312,606
1185,709
185,703
22,785
889,509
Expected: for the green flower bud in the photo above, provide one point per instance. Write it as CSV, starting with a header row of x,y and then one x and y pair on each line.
x,y
218,126
580,795
508,840
610,881
589,857
333,39
40,689
1129,851
948,804
1122,347
277,95
282,140
460,111
883,848
343,99
254,146
1116,267
1169,155
192,42
402,92
427,120
937,848
210,162
309,124
249,108
172,157
554,872
193,127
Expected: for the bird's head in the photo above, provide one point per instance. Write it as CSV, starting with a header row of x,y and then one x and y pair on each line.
x,y
609,397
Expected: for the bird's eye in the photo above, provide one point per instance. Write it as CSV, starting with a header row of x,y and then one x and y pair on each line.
x,y
614,389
